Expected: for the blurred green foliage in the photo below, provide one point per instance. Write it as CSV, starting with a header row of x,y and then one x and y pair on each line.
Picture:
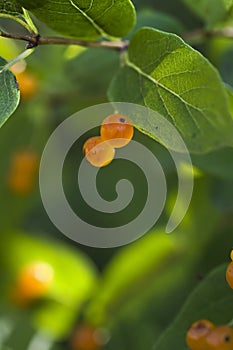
x,y
134,292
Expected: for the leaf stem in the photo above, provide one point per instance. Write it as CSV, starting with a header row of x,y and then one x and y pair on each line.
x,y
35,40
33,29
18,20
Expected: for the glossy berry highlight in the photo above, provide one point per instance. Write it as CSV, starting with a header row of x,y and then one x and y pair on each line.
x,y
98,152
117,129
196,335
229,274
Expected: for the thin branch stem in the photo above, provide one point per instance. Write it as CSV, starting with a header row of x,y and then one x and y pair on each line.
x,y
198,35
34,41
225,32
194,36
33,29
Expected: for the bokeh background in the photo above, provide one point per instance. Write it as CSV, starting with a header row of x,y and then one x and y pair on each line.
x,y
87,298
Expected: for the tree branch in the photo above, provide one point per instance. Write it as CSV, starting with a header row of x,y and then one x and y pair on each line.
x,y
202,34
34,41
194,36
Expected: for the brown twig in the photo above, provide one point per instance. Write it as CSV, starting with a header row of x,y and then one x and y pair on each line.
x,y
194,36
202,34
34,41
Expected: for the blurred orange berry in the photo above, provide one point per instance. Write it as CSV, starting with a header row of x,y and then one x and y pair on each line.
x,y
20,185
33,282
23,170
28,84
25,160
117,129
86,337
98,152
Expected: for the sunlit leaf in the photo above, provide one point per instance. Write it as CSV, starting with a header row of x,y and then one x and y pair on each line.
x,y
180,84
85,19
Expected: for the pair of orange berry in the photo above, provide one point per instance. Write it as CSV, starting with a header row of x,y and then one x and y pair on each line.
x,y
23,171
116,131
204,335
229,272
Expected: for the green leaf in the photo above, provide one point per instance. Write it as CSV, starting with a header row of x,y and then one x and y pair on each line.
x,y
133,268
229,90
228,4
13,10
212,299
153,267
9,93
211,11
217,163
85,19
158,20
175,80
226,69
10,9
222,194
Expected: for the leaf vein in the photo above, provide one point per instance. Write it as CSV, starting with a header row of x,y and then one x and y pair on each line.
x,y
186,103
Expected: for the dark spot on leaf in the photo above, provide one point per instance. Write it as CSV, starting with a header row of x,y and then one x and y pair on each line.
x,y
200,277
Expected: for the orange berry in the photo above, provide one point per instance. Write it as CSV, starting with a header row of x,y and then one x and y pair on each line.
x,y
196,335
220,338
229,274
117,130
86,338
25,160
28,84
20,184
33,282
98,152
22,176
